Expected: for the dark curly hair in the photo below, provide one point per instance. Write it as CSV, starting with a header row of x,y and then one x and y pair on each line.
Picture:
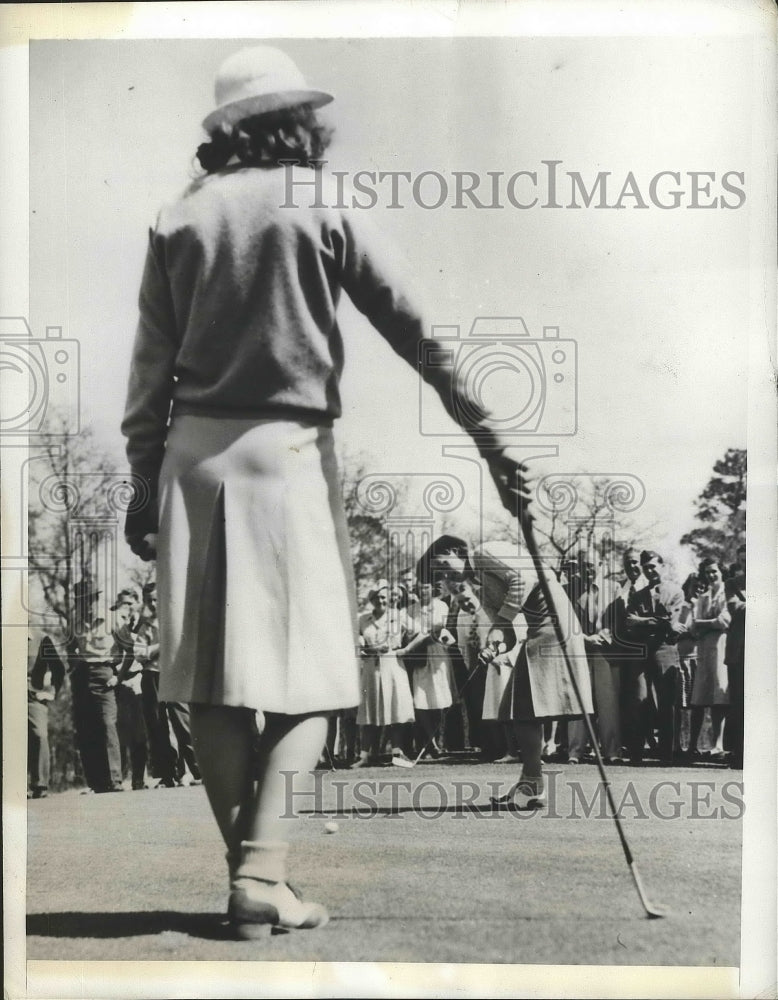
x,y
265,140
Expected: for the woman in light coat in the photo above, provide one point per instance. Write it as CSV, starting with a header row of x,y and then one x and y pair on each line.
x,y
385,699
711,682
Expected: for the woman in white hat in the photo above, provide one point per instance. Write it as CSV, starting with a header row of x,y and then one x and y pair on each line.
x,y
238,333
385,698
429,654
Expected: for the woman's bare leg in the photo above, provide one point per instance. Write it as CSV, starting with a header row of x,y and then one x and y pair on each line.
x,y
248,806
290,744
718,715
224,743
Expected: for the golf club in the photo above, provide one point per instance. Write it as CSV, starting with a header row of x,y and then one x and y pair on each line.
x,y
525,521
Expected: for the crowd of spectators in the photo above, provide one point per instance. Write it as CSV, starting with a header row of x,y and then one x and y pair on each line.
x,y
123,734
436,667
435,672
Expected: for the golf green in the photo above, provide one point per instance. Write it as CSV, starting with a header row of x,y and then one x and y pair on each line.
x,y
420,869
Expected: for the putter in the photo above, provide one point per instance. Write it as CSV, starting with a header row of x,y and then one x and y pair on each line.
x,y
525,520
329,757
404,762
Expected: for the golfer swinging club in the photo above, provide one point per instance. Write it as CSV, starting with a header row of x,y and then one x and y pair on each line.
x,y
233,390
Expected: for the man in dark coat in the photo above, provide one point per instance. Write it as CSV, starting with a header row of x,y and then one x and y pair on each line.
x,y
652,620
45,677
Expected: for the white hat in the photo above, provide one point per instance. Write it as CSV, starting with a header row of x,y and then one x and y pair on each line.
x,y
256,80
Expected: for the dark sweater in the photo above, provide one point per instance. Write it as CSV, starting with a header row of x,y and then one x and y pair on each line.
x,y
238,310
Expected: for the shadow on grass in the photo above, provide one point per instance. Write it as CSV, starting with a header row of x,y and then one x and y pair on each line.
x,y
121,925
421,810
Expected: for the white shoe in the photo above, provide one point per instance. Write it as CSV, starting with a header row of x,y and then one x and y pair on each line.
x,y
256,907
521,796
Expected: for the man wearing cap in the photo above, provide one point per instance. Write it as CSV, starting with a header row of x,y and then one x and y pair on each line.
x,y
130,722
93,682
653,621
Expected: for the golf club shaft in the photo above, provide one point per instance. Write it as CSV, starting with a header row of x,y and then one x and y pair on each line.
x,y
428,744
442,723
525,520
329,757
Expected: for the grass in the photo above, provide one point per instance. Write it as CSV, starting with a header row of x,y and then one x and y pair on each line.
x,y
141,875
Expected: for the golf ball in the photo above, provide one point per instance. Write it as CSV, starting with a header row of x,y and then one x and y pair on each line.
x,y
331,827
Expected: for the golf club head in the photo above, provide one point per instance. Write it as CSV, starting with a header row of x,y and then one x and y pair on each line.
x,y
656,912
402,762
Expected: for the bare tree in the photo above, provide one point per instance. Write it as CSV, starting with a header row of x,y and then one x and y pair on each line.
x,y
368,535
592,514
74,504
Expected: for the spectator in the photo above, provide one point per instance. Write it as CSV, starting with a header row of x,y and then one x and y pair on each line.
x,y
734,656
409,583
463,729
146,652
129,708
577,576
169,759
93,682
653,616
488,627
386,699
687,661
711,682
624,655
593,611
429,654
45,677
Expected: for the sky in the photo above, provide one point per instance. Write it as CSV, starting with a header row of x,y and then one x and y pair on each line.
x,y
655,300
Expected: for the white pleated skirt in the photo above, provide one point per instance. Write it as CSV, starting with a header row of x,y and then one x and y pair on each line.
x,y
256,594
495,687
433,683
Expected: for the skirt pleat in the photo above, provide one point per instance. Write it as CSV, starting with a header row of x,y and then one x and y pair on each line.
x,y
254,573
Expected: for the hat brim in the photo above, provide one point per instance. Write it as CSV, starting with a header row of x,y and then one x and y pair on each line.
x,y
235,111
